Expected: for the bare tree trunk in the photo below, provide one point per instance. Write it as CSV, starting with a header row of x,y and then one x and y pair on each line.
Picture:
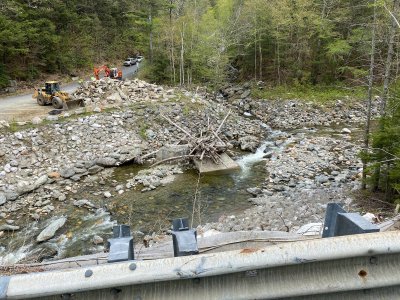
x,y
278,54
172,43
173,59
255,55
370,83
151,38
182,68
389,58
386,80
260,56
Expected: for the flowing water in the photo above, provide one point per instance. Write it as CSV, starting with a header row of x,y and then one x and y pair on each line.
x,y
202,200
215,195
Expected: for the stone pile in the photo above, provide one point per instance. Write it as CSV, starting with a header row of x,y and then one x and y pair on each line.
x,y
287,114
106,92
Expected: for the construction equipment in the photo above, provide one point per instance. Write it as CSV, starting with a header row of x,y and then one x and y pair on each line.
x,y
51,94
113,73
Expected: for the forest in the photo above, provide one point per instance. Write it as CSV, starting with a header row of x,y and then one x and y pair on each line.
x,y
310,44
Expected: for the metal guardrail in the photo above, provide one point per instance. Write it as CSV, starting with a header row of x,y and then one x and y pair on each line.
x,y
346,267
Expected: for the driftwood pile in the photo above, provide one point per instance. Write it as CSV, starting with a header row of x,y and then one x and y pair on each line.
x,y
206,144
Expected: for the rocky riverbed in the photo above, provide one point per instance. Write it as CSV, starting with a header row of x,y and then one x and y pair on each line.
x,y
60,166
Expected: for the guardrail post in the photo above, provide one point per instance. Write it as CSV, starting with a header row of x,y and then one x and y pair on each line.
x,y
121,245
338,222
184,239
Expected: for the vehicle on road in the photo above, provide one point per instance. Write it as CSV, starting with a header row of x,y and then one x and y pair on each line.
x,y
51,94
133,61
130,61
139,58
113,73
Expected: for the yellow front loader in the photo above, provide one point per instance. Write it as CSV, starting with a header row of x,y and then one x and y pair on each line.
x,y
51,94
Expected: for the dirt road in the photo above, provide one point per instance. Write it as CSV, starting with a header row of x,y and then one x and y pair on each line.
x,y
24,107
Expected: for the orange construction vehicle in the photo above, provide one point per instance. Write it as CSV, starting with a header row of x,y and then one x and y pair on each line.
x,y
113,73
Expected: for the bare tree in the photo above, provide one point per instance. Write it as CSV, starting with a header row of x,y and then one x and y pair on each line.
x,y
370,83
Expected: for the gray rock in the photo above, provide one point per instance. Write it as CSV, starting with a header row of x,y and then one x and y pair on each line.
x,y
84,202
95,169
249,143
346,131
67,172
36,121
245,94
23,189
52,118
254,191
8,227
107,194
51,229
119,187
11,195
97,240
40,181
268,154
3,198
150,134
106,162
321,179
334,173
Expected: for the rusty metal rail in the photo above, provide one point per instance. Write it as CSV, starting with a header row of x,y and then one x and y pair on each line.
x,y
347,267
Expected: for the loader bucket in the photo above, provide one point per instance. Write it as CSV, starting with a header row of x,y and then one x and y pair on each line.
x,y
72,104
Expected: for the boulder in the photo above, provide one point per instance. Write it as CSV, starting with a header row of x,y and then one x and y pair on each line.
x,y
97,240
67,172
51,229
3,198
106,161
249,143
169,151
11,195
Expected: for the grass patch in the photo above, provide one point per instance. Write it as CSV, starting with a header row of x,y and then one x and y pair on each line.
x,y
142,131
318,94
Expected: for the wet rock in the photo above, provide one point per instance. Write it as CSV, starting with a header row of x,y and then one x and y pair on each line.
x,y
249,143
51,229
268,154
